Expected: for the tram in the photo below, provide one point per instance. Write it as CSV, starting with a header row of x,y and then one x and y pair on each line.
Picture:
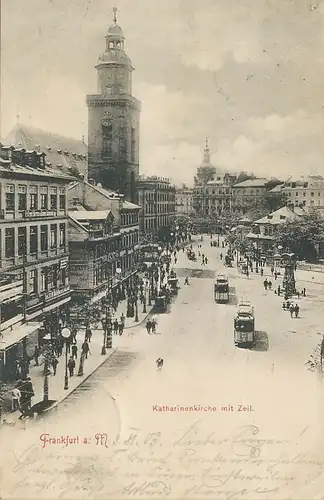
x,y
221,289
244,332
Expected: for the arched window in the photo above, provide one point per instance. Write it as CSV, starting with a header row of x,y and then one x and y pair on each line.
x,y
133,145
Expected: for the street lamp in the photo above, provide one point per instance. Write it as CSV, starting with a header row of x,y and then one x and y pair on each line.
x,y
66,334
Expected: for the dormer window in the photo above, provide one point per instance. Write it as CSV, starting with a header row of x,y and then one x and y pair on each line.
x,y
59,151
49,148
66,152
282,217
270,216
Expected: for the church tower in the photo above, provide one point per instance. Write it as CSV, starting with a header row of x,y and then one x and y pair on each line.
x,y
113,119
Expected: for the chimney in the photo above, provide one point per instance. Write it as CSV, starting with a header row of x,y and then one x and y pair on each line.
x,y
121,201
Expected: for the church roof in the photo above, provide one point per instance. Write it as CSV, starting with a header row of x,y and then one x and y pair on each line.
x,y
62,153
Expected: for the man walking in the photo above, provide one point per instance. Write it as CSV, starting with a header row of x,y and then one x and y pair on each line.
x,y
36,355
71,366
74,351
85,349
16,395
54,365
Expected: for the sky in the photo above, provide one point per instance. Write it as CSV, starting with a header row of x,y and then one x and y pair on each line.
x,y
248,74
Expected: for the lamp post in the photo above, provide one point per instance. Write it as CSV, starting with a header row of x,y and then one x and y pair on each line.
x,y
103,349
46,367
66,334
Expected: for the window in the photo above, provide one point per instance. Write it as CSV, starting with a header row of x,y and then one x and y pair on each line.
x,y
304,194
53,236
33,239
62,235
33,198
43,281
318,194
10,197
44,198
22,241
122,140
51,277
33,281
9,243
106,140
62,199
43,238
312,194
53,198
22,197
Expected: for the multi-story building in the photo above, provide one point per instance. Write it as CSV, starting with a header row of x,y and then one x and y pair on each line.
x,y
103,240
63,154
33,251
248,194
183,200
113,119
157,199
305,192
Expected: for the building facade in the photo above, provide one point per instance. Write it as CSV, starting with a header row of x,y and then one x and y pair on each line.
x,y
184,201
304,192
248,194
157,199
114,119
34,282
103,242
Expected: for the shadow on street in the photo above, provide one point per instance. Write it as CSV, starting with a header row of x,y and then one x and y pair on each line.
x,y
261,341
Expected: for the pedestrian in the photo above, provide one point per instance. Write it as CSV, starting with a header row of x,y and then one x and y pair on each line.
x,y
291,309
74,351
121,328
71,366
74,332
115,326
203,256
279,290
122,318
221,256
16,395
304,292
153,323
275,275
88,334
85,349
198,254
54,365
261,272
272,270
269,284
148,326
36,355
175,260
296,310
29,391
265,284
206,260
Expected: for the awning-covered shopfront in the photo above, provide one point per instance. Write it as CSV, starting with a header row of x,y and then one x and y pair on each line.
x,y
16,334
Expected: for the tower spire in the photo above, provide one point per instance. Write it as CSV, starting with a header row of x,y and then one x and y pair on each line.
x,y
115,14
206,152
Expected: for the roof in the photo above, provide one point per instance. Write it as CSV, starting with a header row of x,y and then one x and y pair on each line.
x,y
281,215
127,205
62,152
80,215
47,172
252,183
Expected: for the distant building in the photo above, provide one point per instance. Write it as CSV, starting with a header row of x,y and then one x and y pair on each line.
x,y
63,154
103,241
184,201
306,191
248,194
157,199
113,119
263,231
34,281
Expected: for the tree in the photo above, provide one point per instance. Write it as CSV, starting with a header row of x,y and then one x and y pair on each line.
x,y
302,236
269,202
240,242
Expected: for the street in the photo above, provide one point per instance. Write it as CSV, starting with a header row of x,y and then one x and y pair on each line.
x,y
253,414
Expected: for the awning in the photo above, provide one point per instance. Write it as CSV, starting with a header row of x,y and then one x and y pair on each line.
x,y
56,304
99,296
16,334
11,293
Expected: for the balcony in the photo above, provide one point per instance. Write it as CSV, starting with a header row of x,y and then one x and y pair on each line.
x,y
35,214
